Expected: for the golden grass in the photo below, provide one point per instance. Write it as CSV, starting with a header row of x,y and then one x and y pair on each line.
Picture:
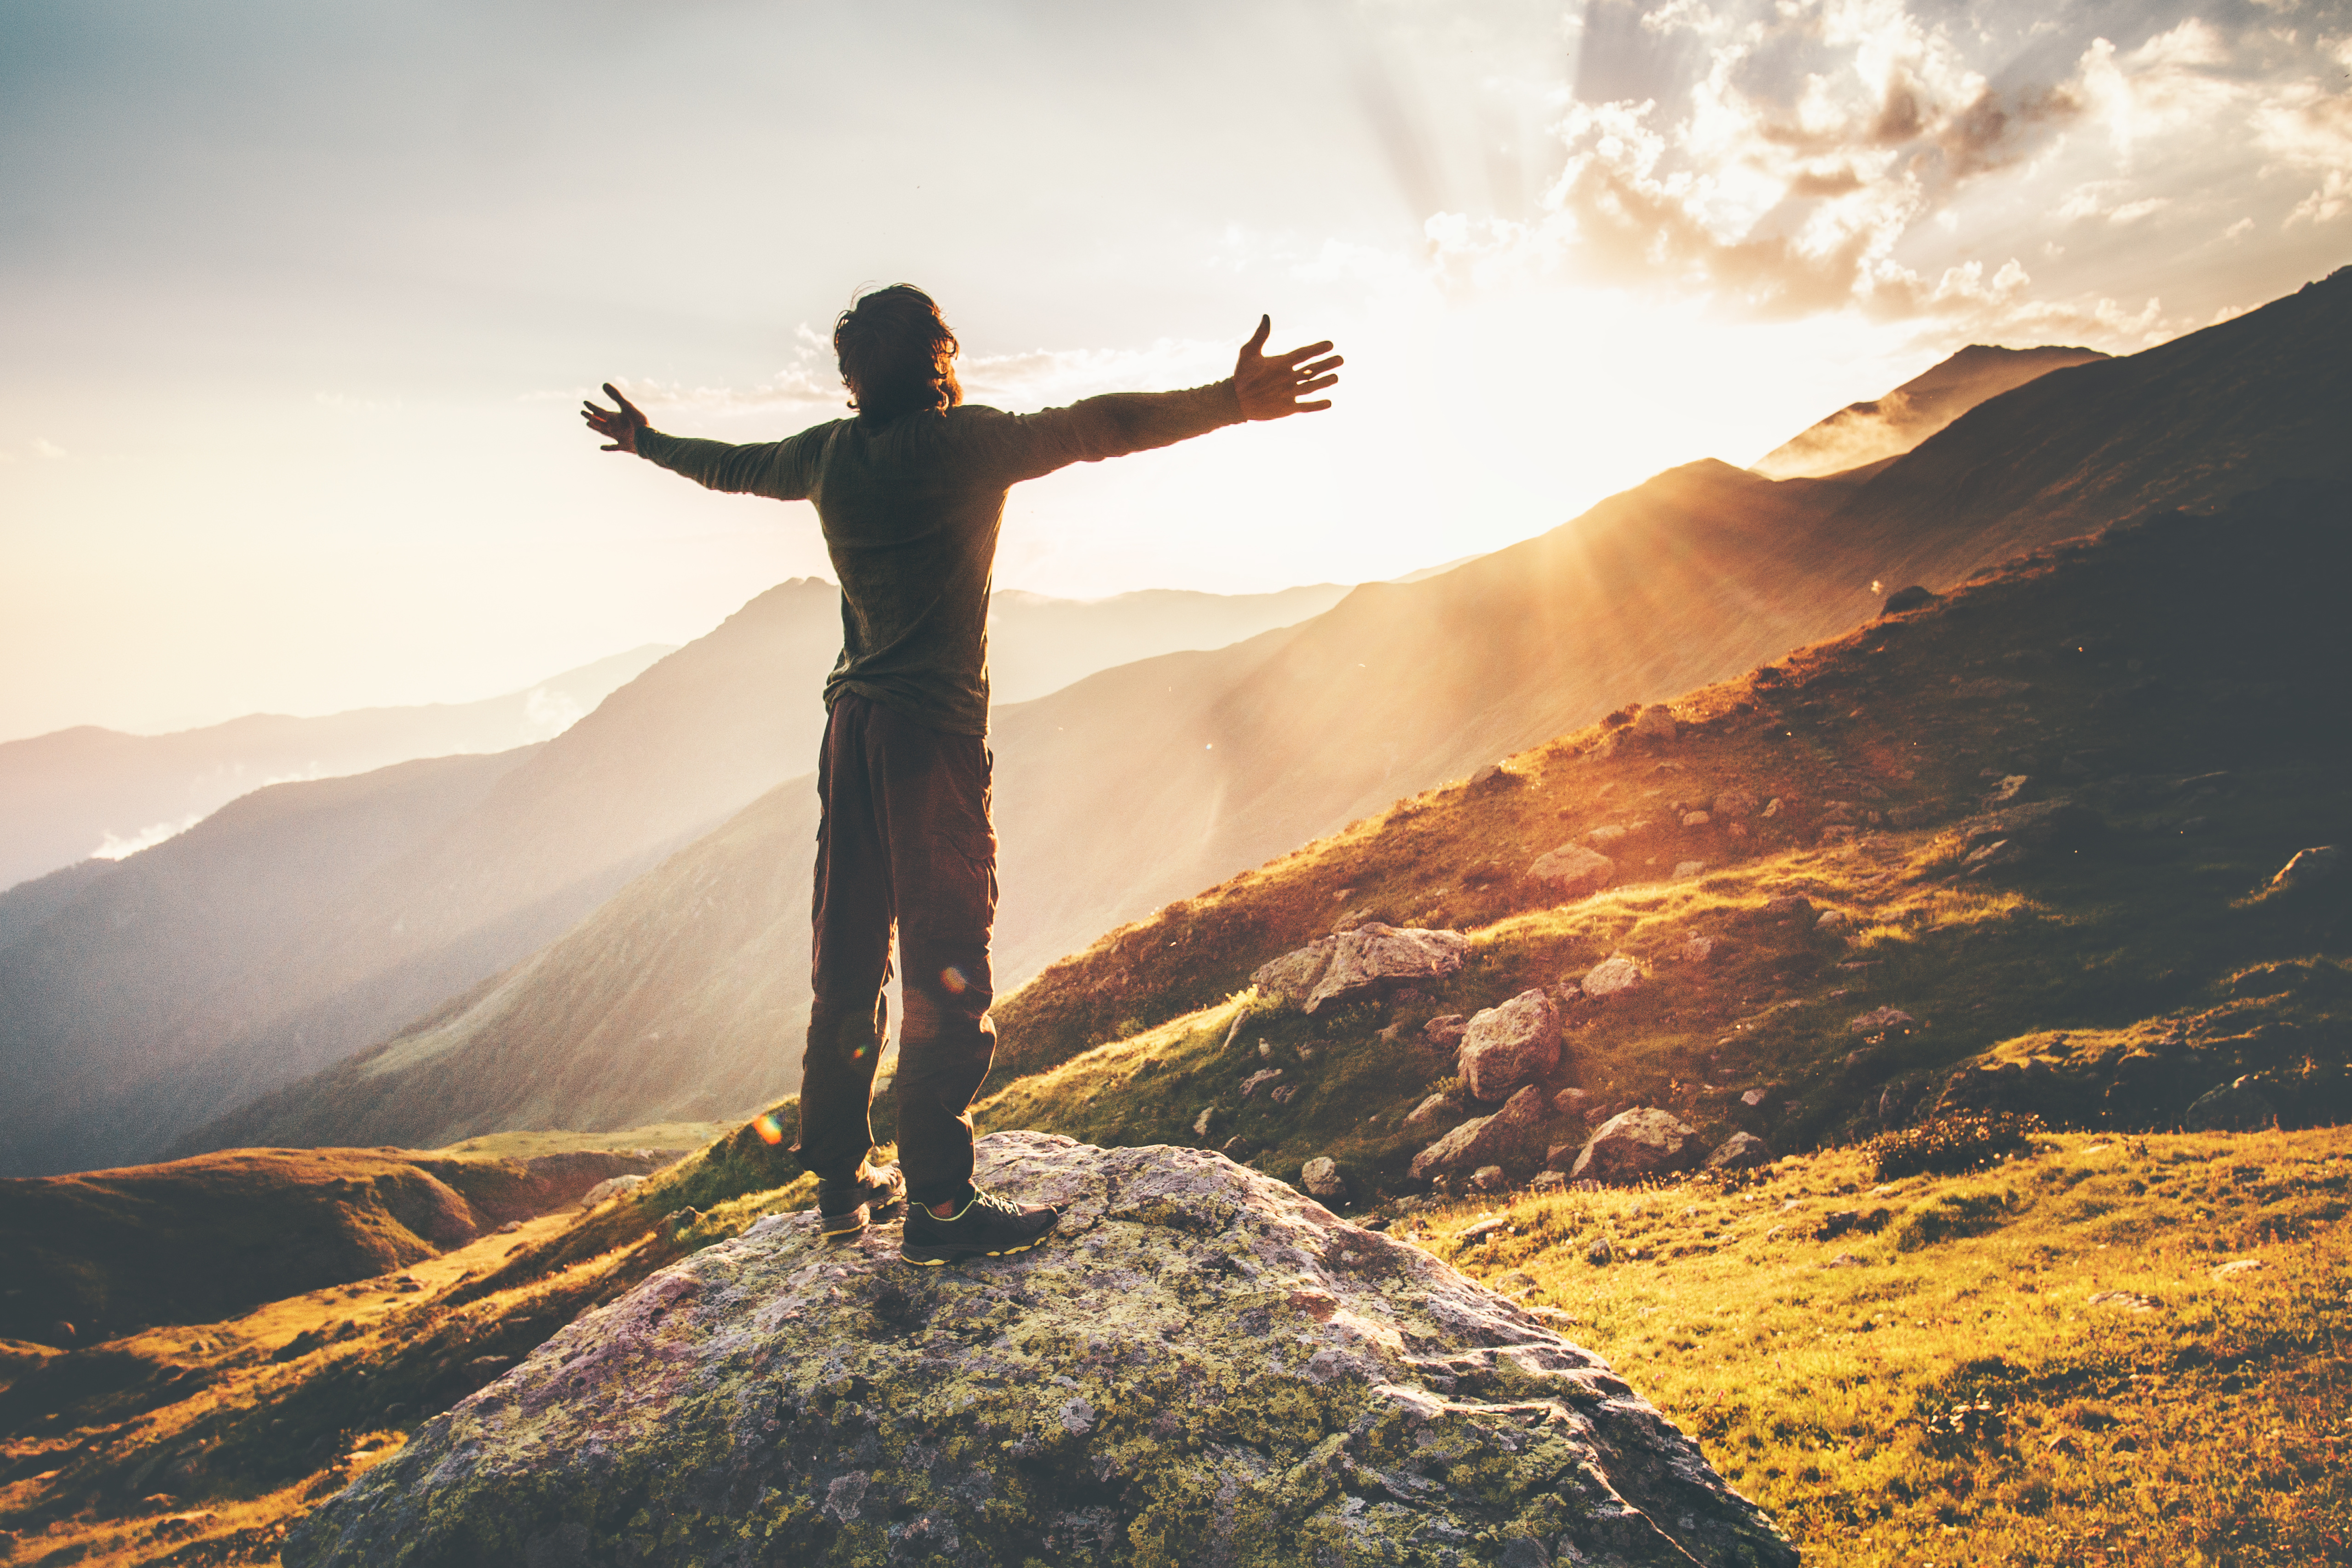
x,y
1967,1401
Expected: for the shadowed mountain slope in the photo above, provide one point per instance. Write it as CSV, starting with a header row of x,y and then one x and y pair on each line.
x,y
1140,784
64,795
109,1252
1862,434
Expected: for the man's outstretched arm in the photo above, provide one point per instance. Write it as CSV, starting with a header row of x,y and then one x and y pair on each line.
x,y
1262,387
766,469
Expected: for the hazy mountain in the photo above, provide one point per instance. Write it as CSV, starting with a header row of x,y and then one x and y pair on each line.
x,y
75,792
1862,434
1037,644
1145,782
94,1002
28,906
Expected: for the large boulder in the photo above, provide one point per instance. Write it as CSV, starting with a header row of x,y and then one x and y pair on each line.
x,y
1503,1047
1656,723
1202,1367
2234,1106
1740,1151
1370,958
1571,871
1484,1139
1633,1144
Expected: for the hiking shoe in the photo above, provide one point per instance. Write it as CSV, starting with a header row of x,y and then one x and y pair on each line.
x,y
844,1208
986,1227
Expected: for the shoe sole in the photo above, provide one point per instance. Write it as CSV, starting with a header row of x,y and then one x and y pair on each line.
x,y
932,1256
841,1226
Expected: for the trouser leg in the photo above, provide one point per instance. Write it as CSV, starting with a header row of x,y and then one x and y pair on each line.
x,y
934,789
849,953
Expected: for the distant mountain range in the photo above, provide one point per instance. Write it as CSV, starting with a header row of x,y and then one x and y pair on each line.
x,y
1863,435
83,792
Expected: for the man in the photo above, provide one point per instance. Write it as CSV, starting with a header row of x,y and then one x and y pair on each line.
x,y
910,494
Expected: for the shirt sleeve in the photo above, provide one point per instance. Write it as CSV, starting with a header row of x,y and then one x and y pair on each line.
x,y
779,469
1016,447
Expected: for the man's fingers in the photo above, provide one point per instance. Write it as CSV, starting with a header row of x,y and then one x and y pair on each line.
x,y
1257,338
1318,384
627,407
1312,407
1310,351
1320,367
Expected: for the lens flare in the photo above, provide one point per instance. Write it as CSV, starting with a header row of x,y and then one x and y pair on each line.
x,y
770,1130
953,978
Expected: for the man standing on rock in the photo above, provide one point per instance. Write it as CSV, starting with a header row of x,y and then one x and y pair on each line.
x,y
910,494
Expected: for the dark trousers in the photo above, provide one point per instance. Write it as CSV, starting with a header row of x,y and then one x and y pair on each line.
x,y
904,840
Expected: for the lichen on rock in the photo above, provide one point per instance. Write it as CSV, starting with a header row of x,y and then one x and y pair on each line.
x,y
1203,1367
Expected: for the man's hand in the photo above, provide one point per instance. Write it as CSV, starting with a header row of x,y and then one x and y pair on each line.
x,y
1271,386
620,425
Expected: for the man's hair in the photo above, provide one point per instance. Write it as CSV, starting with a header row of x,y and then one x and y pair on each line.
x,y
897,354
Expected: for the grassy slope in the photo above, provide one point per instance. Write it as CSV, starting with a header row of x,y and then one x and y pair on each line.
x,y
1933,1401
2138,969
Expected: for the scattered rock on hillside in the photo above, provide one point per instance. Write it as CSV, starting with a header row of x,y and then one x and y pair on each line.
x,y
2008,789
1879,1020
2235,1107
1489,1179
1833,920
1606,834
1697,818
1695,949
1631,1144
1740,1151
1370,958
1201,1123
1733,804
1685,869
1571,1101
1789,906
2121,1300
1616,975
2241,1266
1505,1047
2006,836
610,1187
834,1406
2309,866
1435,1106
1445,1032
1654,722
1264,1074
1485,1141
1572,871
1914,597
1321,1177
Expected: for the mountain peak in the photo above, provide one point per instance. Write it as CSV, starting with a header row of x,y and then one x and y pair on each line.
x,y
1864,433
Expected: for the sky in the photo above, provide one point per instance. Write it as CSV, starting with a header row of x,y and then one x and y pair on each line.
x,y
298,303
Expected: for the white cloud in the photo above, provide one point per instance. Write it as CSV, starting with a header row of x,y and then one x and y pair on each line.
x,y
115,846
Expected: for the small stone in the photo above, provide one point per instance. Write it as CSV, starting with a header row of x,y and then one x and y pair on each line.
x,y
1264,1074
1607,834
1772,807
1685,869
1265,1049
2234,1106
1879,1020
1427,1109
1615,975
1570,1101
1695,819
2009,789
1633,1144
1734,804
2242,1266
1445,1032
1503,1047
2123,1300
1236,1149
1201,1123
1740,1151
1753,1098
1844,1260
1695,949
1833,920
1547,1182
1599,1252
1488,1179
1281,1094
1789,906
1654,722
1321,1177
1914,597
1572,871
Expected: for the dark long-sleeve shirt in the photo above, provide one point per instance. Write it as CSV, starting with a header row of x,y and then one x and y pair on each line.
x,y
911,510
